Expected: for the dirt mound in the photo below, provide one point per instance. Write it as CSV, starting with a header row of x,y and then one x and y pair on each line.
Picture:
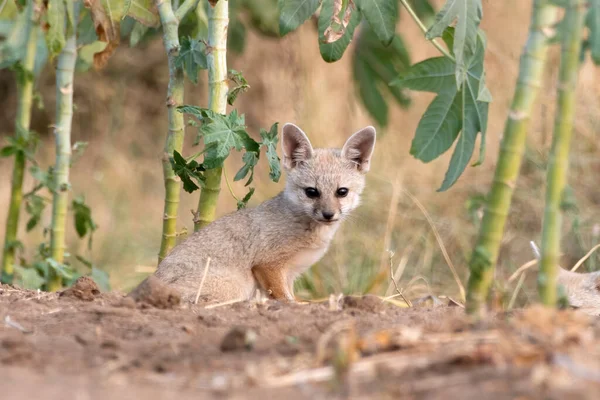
x,y
61,347
84,288
153,292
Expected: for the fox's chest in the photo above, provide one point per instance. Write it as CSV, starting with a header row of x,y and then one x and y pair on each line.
x,y
305,257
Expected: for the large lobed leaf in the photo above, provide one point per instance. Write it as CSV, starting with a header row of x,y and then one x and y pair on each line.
x,y
593,23
221,133
382,16
293,13
467,14
332,51
143,11
374,65
453,111
106,15
192,57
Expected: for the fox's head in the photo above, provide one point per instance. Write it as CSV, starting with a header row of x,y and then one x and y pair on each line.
x,y
325,184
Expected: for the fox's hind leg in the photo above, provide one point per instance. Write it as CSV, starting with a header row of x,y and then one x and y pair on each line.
x,y
274,281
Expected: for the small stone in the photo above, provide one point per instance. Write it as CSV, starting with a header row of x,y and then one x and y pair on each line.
x,y
239,338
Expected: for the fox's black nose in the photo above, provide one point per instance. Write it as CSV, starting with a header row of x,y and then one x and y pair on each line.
x,y
328,215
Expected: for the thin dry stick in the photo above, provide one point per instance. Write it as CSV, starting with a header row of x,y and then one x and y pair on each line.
x,y
225,303
401,265
511,303
408,303
202,281
589,253
461,288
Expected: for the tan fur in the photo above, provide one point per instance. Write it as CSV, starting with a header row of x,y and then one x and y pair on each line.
x,y
583,290
269,246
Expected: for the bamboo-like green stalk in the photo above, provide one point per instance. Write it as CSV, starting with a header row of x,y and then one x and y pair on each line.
x,y
170,23
65,71
22,123
218,20
556,177
533,60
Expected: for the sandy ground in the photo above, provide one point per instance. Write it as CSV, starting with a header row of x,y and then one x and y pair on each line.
x,y
84,344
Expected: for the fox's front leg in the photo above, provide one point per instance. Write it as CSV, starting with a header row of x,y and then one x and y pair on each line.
x,y
275,281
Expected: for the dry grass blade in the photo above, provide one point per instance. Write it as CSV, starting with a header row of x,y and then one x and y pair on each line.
x,y
391,219
513,299
202,281
461,288
589,253
522,268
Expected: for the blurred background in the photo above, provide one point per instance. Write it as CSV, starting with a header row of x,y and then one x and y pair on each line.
x,y
121,112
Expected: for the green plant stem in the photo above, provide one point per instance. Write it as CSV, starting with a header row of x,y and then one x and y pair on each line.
x,y
218,20
556,177
22,124
424,29
175,135
229,186
65,71
533,60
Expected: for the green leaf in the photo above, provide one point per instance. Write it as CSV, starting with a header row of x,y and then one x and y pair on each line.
x,y
28,278
269,140
12,49
46,178
244,202
264,16
34,206
222,133
293,13
236,35
137,34
82,215
187,172
70,10
85,55
143,11
55,36
373,66
451,112
84,261
241,85
334,51
250,160
593,23
468,15
8,151
381,16
86,31
62,270
424,10
192,57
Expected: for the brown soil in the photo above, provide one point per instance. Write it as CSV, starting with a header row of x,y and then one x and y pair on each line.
x,y
86,345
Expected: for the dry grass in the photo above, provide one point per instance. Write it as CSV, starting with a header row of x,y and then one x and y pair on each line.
x,y
121,112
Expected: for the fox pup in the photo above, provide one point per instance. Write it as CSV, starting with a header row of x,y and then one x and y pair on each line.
x,y
269,246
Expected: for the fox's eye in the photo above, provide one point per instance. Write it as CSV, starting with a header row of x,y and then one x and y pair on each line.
x,y
342,192
312,193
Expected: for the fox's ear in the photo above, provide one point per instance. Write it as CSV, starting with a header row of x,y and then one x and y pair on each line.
x,y
296,146
359,148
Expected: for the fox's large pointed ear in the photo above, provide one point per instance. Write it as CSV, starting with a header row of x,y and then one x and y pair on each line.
x,y
359,148
296,146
